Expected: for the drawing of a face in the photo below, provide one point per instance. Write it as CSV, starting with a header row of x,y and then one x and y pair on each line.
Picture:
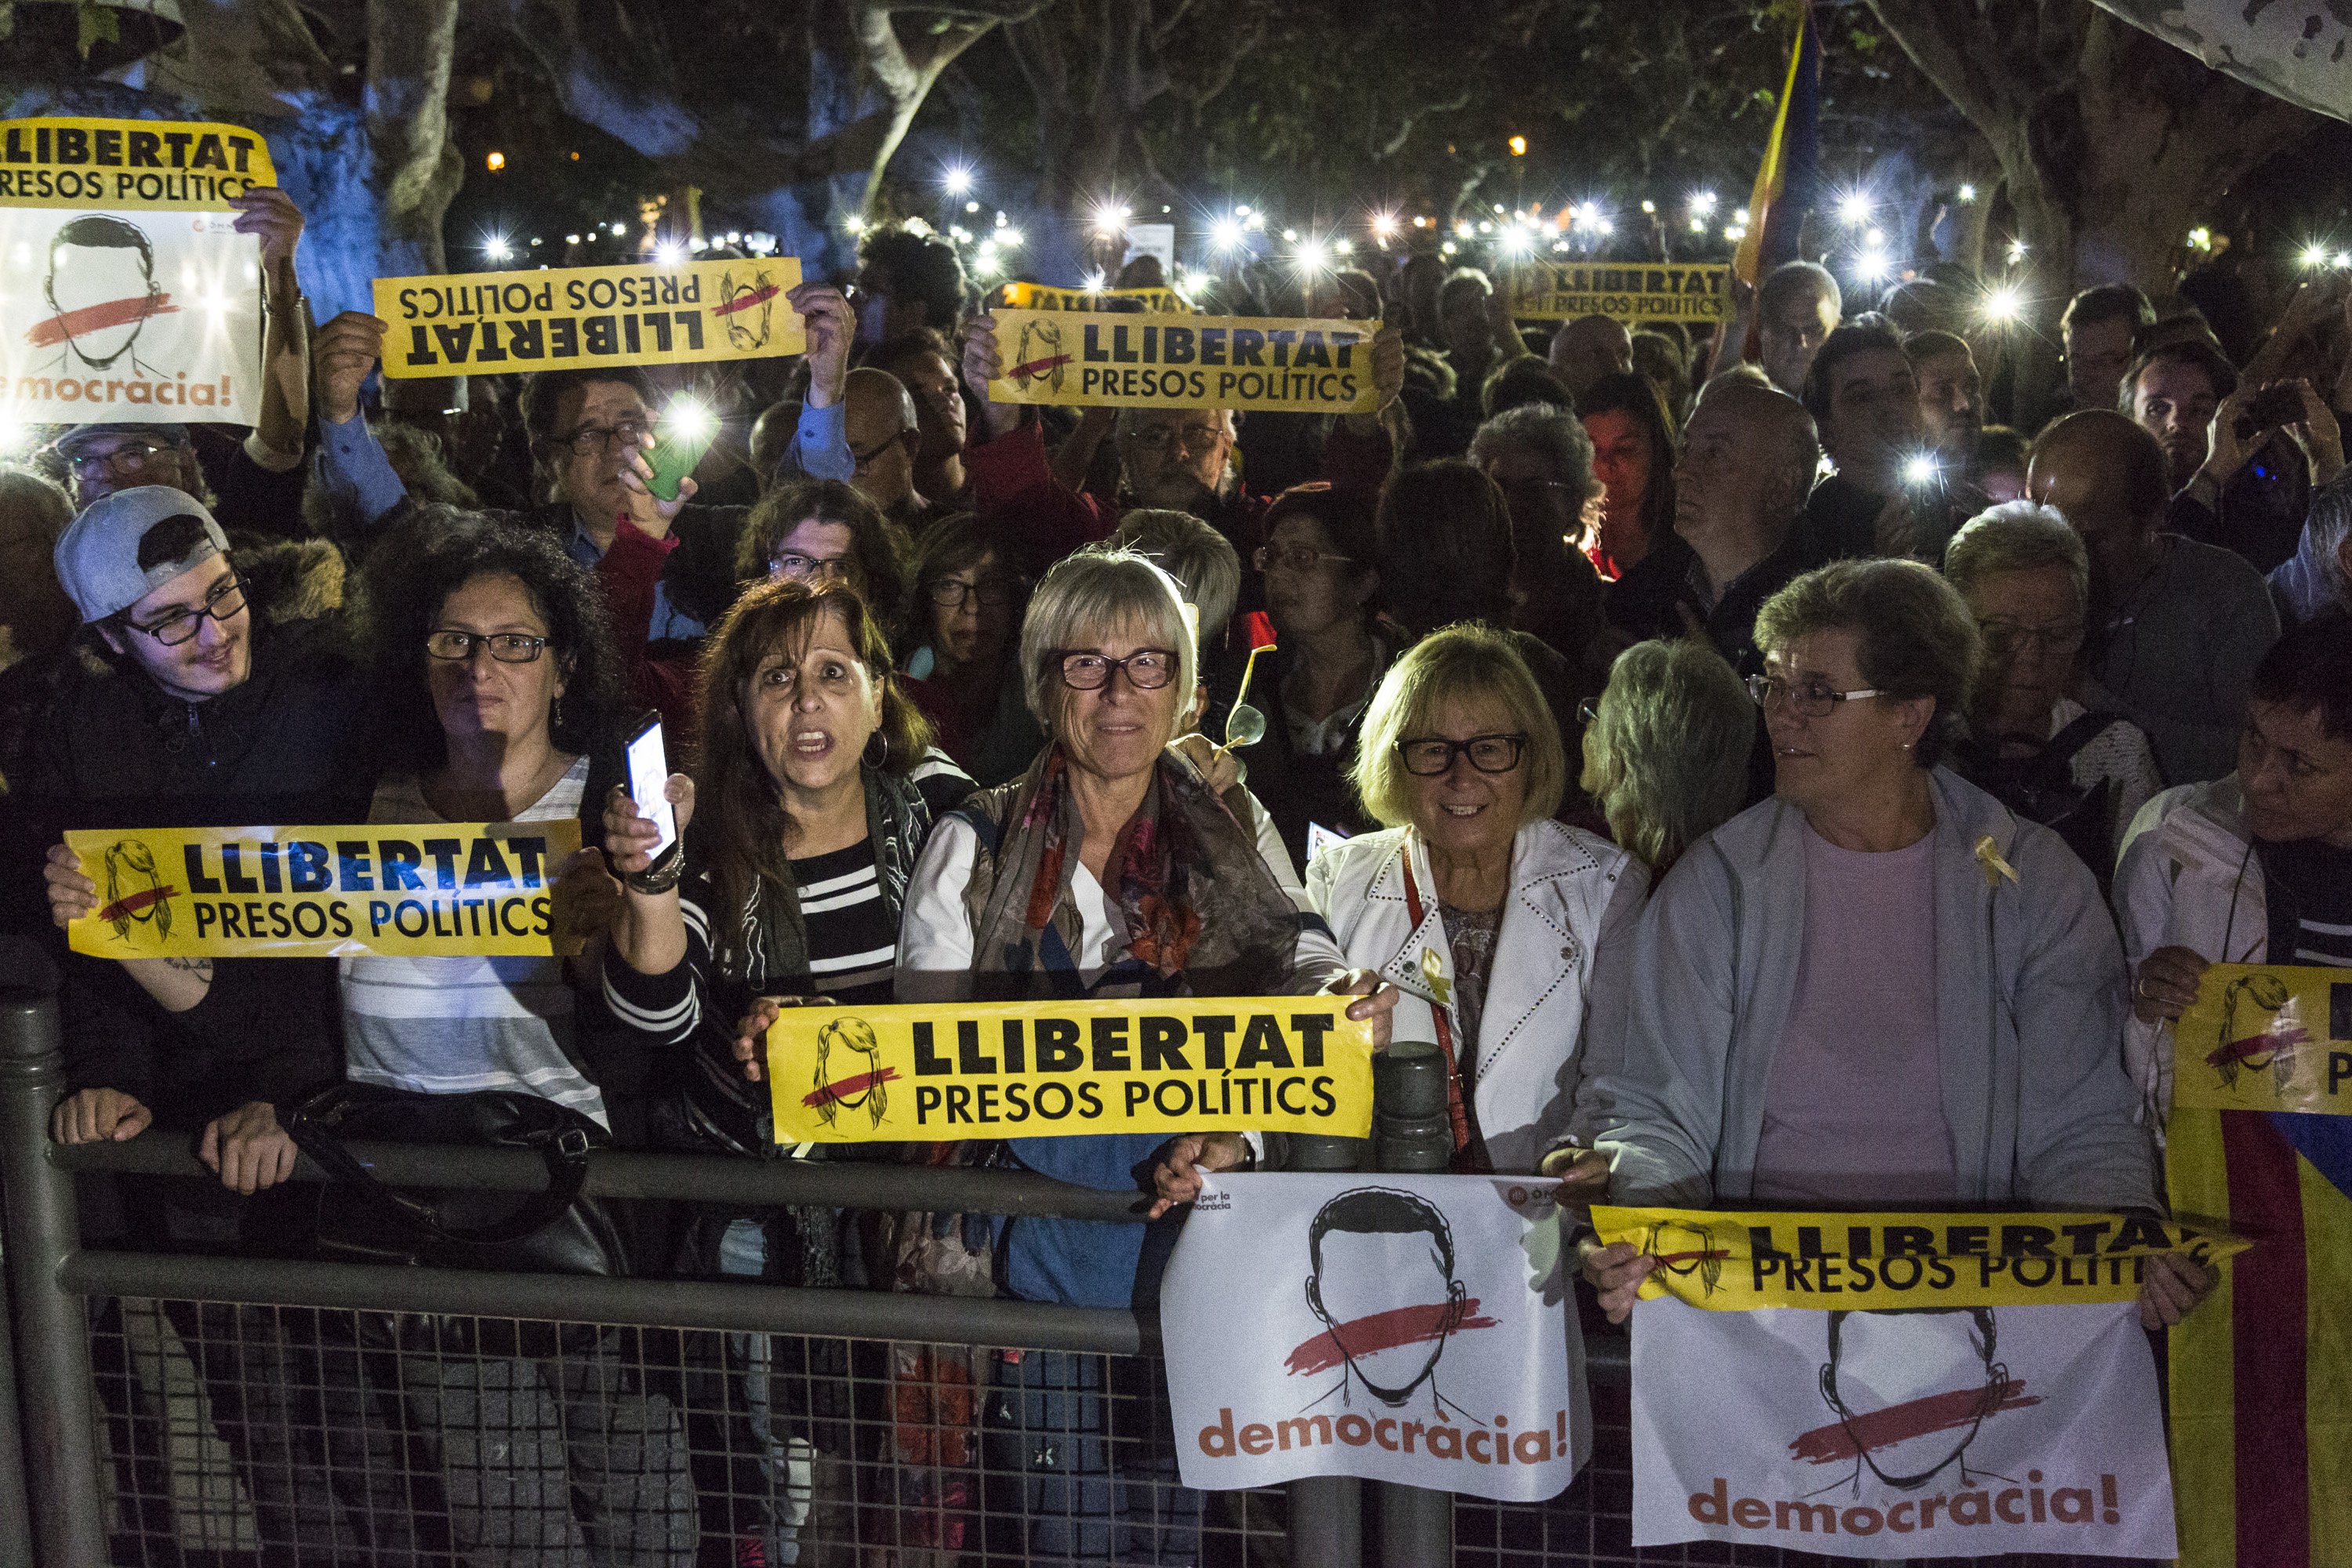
x,y
101,284
849,1070
1383,1286
1039,357
2250,1039
134,894
1687,1249
745,305
1911,1390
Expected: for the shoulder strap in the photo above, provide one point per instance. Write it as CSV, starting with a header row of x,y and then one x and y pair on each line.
x,y
559,1137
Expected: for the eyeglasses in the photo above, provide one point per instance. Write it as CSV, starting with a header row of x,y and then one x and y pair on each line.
x,y
1428,756
1165,438
865,459
1588,712
506,648
595,440
1815,701
1295,557
2006,638
994,593
1148,669
803,568
219,604
131,457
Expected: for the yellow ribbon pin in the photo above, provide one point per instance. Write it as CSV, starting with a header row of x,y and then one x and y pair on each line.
x,y
1994,867
1433,971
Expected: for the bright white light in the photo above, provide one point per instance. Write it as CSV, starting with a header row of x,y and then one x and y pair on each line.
x,y
1110,218
1734,232
2016,251
1967,194
854,224
497,248
1516,241
1875,237
2314,256
734,237
1499,209
1740,216
690,417
1461,229
1698,225
1311,257
1855,208
1009,237
1447,248
1870,267
1649,207
571,239
760,242
1921,469
2344,259
1290,236
1254,222
1485,225
1343,247
957,181
669,253
1383,225
1606,226
698,243
1243,210
1701,203
1095,282
2002,305
619,229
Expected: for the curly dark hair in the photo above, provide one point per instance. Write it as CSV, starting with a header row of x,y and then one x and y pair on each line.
x,y
440,551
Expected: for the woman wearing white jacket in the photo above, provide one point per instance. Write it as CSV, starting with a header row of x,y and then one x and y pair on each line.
x,y
1505,931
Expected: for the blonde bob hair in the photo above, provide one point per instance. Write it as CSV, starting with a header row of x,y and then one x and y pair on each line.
x,y
1461,665
1089,596
1666,758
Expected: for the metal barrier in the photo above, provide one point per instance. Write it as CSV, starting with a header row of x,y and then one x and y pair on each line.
x,y
181,1408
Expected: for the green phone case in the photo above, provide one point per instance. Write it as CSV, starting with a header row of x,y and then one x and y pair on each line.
x,y
672,459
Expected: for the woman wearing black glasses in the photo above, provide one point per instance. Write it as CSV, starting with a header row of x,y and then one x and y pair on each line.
x,y
963,613
1503,928
1880,989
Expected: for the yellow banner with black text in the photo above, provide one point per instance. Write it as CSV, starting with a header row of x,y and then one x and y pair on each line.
x,y
570,318
1631,292
1046,1070
445,888
2266,1036
1733,1262
1046,297
1161,361
130,165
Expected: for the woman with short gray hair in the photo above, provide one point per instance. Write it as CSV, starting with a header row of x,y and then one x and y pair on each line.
x,y
2035,744
1667,748
1109,870
1881,988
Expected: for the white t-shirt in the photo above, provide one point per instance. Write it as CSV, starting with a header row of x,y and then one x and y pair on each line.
x,y
455,1026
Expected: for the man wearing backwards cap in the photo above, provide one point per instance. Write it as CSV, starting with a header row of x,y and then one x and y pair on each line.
x,y
197,712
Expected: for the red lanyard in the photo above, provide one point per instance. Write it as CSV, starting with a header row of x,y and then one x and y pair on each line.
x,y
1456,1114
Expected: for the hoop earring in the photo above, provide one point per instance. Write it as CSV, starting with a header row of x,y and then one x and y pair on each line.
x,y
877,750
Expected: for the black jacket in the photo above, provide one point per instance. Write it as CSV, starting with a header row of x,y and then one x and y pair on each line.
x,y
292,744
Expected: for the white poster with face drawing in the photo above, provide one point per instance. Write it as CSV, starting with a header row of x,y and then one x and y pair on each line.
x,y
1409,1329
1943,1432
126,293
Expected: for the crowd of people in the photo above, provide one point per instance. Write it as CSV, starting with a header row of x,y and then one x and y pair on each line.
x,y
1812,793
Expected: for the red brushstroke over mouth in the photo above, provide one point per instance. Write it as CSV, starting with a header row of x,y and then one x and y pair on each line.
x,y
833,1093
1382,1331
1913,1418
1037,367
134,903
2258,1045
98,317
745,302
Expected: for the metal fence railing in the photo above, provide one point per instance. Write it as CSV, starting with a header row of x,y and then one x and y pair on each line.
x,y
185,1408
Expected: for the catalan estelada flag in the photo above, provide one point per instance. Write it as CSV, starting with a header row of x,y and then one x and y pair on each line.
x,y
2262,1374
1791,171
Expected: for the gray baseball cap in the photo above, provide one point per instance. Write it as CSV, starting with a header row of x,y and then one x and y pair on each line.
x,y
73,440
97,556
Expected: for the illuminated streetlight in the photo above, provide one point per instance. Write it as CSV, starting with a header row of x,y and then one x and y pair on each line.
x,y
957,181
1967,194
1870,267
1853,207
1225,234
1698,225
1311,256
1383,225
1110,218
1518,146
495,161
2314,256
854,224
1650,206
1702,204
497,248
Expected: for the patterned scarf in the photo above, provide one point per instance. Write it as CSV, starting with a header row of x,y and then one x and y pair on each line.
x,y
1204,915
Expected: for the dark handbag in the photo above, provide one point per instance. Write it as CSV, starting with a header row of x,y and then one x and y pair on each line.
x,y
554,1231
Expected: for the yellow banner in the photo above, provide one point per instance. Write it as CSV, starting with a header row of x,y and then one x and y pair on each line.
x,y
2266,1036
484,889
130,165
505,323
1728,1262
1631,292
1184,362
1044,297
1050,1069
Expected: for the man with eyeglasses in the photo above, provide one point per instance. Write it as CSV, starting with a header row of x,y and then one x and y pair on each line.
x,y
1169,460
667,567
885,432
925,365
198,711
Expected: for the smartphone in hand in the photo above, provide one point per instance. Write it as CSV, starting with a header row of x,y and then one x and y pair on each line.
x,y
682,435
648,762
